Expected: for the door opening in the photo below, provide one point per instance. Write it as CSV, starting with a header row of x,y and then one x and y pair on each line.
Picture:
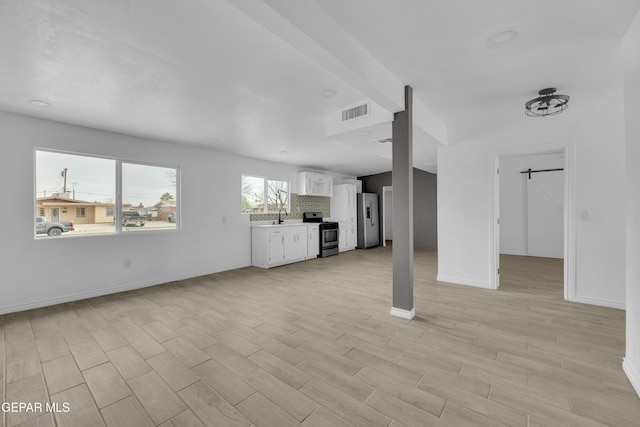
x,y
531,220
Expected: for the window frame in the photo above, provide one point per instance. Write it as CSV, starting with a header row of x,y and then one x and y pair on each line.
x,y
117,214
265,189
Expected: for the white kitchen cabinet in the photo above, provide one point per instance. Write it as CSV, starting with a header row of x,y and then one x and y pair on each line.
x,y
356,182
295,243
342,237
274,245
313,241
344,211
267,246
315,184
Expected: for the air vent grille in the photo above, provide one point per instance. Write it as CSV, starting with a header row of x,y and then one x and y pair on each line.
x,y
385,141
355,112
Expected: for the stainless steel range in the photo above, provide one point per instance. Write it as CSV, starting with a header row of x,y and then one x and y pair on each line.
x,y
329,233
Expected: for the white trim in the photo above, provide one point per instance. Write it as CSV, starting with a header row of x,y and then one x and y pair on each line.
x,y
600,302
108,291
570,215
465,282
405,314
570,241
495,226
632,374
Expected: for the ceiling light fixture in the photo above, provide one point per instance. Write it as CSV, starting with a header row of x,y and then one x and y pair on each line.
x,y
329,93
39,103
547,104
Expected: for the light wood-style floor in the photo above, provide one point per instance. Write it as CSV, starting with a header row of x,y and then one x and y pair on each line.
x,y
313,343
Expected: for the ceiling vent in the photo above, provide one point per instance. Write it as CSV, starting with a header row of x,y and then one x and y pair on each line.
x,y
383,141
356,112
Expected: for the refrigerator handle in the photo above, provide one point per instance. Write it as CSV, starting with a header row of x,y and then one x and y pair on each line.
x,y
370,209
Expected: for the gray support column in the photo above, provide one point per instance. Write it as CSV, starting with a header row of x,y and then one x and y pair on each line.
x,y
402,176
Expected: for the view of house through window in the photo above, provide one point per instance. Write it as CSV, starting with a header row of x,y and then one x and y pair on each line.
x,y
74,189
264,195
76,195
149,192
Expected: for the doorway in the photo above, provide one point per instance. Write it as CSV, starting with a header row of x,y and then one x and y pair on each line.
x,y
532,201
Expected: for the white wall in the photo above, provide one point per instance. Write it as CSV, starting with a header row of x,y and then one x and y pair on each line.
x,y
47,271
465,197
513,199
631,47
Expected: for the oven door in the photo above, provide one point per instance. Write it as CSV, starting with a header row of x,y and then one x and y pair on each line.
x,y
329,241
330,237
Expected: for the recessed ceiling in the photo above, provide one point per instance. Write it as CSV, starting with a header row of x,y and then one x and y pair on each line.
x,y
230,76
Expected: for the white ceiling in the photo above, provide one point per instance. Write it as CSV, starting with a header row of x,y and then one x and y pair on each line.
x,y
251,73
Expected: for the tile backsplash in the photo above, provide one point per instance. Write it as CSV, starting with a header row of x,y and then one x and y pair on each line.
x,y
299,205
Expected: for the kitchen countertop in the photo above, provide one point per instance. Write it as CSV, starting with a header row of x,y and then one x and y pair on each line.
x,y
284,224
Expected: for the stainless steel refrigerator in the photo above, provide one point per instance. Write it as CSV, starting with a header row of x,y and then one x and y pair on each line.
x,y
368,227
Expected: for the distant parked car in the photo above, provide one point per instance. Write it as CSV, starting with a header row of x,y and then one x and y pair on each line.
x,y
172,217
52,229
131,219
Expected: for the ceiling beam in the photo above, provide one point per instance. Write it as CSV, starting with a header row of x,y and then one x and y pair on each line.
x,y
307,27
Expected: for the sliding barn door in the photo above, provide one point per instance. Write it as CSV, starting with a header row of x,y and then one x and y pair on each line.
x,y
545,214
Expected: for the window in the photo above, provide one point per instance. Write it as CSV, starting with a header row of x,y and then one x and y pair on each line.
x,y
146,198
264,195
63,180
151,192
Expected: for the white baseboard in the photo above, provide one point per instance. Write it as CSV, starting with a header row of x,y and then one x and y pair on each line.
x,y
107,291
600,302
632,374
466,282
405,314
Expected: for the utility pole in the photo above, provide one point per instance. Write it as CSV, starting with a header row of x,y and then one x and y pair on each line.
x,y
64,175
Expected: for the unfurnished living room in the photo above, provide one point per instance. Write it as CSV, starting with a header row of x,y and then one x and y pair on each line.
x,y
320,213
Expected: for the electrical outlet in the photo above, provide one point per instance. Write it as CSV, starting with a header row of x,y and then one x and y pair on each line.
x,y
127,263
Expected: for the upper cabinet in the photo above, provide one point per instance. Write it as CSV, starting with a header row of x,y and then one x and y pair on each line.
x,y
315,184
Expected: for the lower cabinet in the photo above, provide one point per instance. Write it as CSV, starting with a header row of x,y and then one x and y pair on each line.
x,y
295,243
352,237
342,237
277,245
313,241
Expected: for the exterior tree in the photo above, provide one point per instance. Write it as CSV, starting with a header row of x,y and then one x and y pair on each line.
x,y
166,196
252,196
254,199
277,195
